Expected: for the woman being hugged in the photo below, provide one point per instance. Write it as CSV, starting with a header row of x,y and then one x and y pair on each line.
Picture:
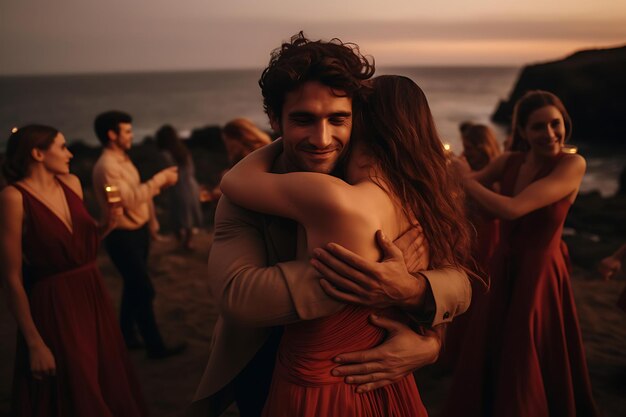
x,y
395,176
70,357
527,356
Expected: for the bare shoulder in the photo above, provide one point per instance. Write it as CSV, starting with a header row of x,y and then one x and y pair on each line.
x,y
10,196
326,192
571,165
574,160
73,182
10,202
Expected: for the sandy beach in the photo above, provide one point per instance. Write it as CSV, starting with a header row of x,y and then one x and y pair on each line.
x,y
185,311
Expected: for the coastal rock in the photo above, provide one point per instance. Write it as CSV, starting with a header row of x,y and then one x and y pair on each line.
x,y
599,228
591,84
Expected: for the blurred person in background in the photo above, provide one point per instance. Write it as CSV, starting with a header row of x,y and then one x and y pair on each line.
x,y
526,357
241,137
129,244
480,147
185,212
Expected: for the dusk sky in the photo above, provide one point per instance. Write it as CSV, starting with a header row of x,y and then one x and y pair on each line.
x,y
75,36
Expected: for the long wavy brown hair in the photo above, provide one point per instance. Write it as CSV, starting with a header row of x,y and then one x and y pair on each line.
x,y
397,127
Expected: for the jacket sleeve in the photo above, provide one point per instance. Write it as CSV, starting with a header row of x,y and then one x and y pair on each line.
x,y
247,289
451,291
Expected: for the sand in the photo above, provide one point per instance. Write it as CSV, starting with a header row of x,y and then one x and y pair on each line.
x,y
185,312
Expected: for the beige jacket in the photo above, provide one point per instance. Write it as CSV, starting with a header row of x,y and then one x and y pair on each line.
x,y
256,286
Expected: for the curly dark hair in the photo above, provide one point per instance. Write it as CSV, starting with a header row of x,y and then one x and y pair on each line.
x,y
338,65
109,120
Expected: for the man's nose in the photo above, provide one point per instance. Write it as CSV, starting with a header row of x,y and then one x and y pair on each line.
x,y
321,137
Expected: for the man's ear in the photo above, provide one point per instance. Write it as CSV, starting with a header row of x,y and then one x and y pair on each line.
x,y
275,124
36,154
112,135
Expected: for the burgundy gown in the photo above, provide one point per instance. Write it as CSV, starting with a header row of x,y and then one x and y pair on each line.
x,y
487,236
526,358
74,315
302,385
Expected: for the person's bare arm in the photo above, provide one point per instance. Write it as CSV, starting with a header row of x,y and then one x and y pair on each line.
x,y
491,173
612,264
42,361
301,196
563,181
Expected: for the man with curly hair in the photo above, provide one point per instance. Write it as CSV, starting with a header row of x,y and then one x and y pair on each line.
x,y
309,89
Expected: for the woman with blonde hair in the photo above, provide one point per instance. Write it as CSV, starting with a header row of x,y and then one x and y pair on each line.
x,y
241,137
480,146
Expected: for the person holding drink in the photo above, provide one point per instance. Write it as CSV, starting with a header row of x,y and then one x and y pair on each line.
x,y
128,244
70,356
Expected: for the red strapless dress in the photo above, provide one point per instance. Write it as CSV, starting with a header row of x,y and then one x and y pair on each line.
x,y
74,315
526,356
302,385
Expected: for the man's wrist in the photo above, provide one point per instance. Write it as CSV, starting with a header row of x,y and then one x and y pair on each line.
x,y
421,304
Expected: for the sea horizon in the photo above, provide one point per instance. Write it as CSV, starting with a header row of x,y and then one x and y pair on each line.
x,y
191,99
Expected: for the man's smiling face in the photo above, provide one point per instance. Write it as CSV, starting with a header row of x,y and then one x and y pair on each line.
x,y
315,125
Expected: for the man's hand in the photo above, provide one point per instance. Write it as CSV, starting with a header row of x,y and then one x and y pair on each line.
x,y
414,248
352,279
402,352
166,177
609,266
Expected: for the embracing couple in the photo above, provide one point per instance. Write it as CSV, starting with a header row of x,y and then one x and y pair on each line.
x,y
312,328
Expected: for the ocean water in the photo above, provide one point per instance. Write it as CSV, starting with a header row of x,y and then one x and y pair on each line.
x,y
189,100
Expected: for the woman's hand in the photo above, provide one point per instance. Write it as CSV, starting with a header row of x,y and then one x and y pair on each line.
x,y
42,362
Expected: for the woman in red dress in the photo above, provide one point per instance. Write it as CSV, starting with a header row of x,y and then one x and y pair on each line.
x,y
480,147
70,357
396,174
526,357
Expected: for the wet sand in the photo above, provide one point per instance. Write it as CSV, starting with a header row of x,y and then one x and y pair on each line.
x,y
185,312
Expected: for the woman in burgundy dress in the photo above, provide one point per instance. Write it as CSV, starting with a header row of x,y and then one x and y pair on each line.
x,y
70,357
526,357
480,147
396,175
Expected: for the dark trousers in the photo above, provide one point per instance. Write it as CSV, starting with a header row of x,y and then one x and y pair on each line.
x,y
252,385
128,250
